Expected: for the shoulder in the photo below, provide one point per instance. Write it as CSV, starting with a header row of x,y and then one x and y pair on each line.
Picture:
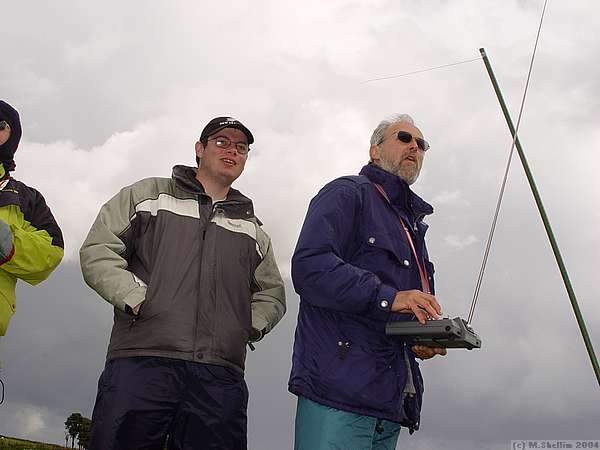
x,y
129,197
26,197
23,189
146,189
349,182
356,180
343,190
149,185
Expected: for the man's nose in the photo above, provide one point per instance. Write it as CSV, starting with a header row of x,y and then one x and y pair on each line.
x,y
231,150
413,144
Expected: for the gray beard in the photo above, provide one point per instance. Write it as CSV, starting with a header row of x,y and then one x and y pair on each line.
x,y
408,173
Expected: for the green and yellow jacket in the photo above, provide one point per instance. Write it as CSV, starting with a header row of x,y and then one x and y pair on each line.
x,y
38,242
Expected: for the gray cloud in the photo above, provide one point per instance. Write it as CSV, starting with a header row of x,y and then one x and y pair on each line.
x,y
114,92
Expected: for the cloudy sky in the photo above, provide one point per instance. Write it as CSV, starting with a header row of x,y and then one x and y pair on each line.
x,y
111,92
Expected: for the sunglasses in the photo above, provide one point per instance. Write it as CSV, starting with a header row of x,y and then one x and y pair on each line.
x,y
406,137
4,125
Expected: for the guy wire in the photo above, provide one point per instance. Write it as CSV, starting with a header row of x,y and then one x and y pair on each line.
x,y
420,71
505,178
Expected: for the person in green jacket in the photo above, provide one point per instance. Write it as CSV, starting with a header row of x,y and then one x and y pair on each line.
x,y
31,242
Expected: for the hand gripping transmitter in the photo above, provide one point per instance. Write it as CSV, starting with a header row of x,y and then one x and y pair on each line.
x,y
446,333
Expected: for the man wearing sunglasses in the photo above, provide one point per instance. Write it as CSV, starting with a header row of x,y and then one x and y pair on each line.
x,y
31,243
361,261
193,280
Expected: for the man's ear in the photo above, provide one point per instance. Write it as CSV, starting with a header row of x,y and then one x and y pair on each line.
x,y
375,152
199,149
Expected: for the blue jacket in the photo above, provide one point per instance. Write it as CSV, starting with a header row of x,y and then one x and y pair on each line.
x,y
352,257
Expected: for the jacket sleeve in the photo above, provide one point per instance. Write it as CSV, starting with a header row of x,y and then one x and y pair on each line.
x,y
103,254
268,301
321,272
37,244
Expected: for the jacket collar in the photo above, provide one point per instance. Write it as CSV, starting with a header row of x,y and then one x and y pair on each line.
x,y
185,177
397,190
4,176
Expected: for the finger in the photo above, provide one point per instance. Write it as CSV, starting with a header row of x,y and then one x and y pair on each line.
x,y
436,305
422,351
438,351
432,301
427,302
425,308
427,354
419,314
417,350
406,301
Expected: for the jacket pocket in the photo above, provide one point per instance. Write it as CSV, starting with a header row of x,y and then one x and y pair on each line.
x,y
385,245
388,256
159,297
358,377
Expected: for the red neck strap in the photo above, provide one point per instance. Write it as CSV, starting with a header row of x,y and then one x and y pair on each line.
x,y
420,263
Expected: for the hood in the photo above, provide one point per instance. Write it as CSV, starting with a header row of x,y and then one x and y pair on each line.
x,y
185,177
8,149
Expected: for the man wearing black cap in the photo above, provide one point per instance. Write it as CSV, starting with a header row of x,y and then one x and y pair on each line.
x,y
31,243
193,280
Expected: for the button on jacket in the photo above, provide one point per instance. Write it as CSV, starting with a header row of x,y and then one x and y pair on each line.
x,y
351,259
205,273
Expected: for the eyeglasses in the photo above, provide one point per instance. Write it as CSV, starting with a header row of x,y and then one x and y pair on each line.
x,y
224,143
4,125
406,137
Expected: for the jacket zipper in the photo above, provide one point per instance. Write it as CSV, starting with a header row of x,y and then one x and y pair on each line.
x,y
194,350
216,210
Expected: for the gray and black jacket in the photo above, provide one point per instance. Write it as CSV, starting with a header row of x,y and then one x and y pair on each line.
x,y
205,272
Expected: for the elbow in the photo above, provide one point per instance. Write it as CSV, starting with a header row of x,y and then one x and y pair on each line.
x,y
300,271
84,264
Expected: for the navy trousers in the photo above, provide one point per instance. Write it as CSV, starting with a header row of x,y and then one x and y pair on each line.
x,y
145,402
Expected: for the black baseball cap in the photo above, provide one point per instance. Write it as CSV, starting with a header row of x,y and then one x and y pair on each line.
x,y
220,123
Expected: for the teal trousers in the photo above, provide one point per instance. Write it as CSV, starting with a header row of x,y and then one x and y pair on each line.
x,y
320,427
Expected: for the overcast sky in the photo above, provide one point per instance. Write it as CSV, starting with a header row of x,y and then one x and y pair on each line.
x,y
110,92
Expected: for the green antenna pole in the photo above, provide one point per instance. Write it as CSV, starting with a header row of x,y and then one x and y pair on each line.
x,y
538,202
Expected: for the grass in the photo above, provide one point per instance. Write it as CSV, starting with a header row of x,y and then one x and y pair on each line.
x,y
10,443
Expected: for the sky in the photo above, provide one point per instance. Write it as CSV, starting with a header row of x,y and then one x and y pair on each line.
x,y
111,92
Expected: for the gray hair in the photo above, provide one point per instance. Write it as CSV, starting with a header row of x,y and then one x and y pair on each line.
x,y
379,132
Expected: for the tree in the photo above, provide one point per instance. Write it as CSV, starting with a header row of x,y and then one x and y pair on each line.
x,y
83,437
73,425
